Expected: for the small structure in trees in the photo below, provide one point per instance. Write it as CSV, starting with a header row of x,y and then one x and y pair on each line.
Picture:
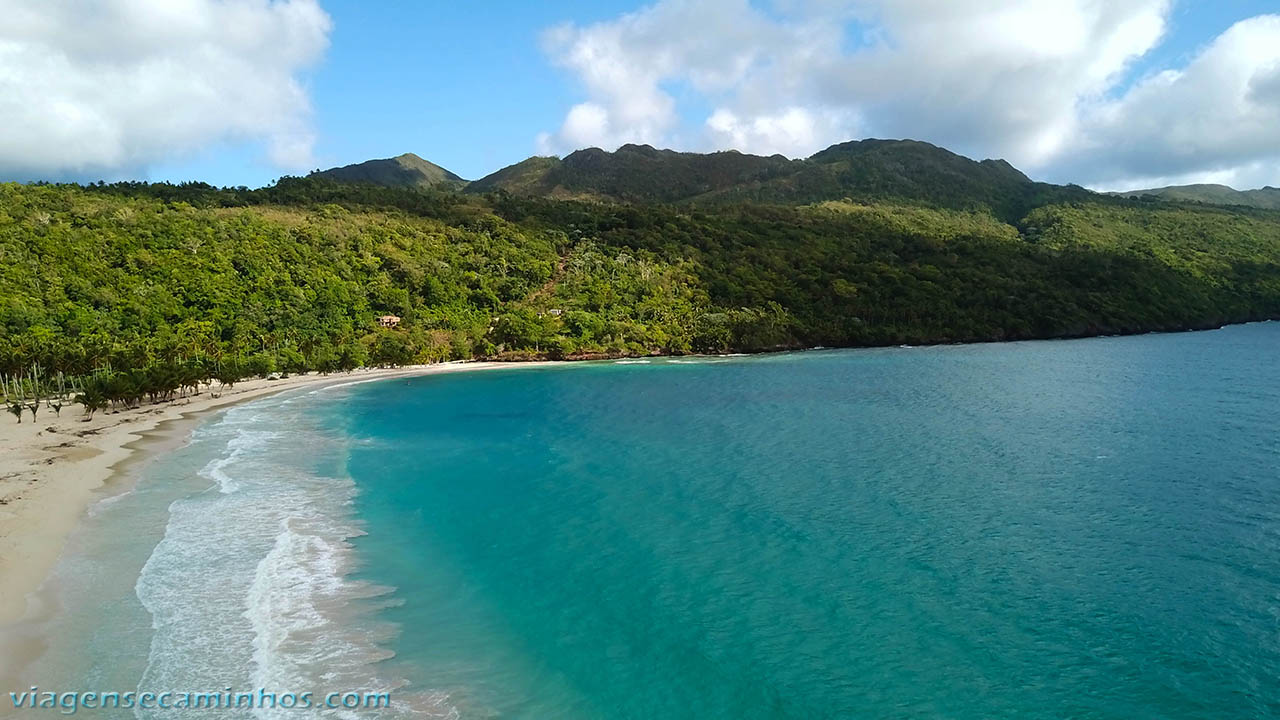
x,y
388,321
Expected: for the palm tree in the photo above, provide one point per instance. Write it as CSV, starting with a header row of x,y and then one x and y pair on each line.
x,y
92,399
33,403
56,400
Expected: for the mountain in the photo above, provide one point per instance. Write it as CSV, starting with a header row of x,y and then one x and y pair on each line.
x,y
1267,197
407,170
635,173
863,170
527,177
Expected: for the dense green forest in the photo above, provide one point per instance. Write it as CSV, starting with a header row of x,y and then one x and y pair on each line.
x,y
133,290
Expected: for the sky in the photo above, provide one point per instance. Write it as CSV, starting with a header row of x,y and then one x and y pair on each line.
x,y
1110,95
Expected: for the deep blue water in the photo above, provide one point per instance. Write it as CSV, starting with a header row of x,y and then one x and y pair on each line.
x,y
1084,529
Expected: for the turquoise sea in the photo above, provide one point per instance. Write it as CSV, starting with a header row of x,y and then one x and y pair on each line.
x,y
1082,529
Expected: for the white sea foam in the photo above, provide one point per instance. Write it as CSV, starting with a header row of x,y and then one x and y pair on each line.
x,y
308,566
249,586
300,575
245,440
630,362
349,383
107,503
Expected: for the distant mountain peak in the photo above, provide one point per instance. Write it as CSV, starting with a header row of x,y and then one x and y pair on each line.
x,y
1211,194
405,170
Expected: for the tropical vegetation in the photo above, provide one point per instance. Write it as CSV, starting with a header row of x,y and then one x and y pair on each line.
x,y
115,294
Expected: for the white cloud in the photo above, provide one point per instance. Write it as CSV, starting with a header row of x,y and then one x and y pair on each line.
x,y
115,85
792,131
1217,119
713,46
994,77
1047,84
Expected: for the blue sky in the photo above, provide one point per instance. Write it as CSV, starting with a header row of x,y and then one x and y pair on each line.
x,y
261,88
469,86
1196,22
465,85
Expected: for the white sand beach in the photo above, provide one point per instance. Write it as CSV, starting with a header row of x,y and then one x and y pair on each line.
x,y
53,468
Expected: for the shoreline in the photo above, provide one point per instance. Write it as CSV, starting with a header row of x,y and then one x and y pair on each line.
x,y
54,469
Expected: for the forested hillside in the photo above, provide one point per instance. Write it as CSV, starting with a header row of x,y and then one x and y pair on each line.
x,y
177,282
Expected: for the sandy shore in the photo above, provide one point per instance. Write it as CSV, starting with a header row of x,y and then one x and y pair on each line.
x,y
52,469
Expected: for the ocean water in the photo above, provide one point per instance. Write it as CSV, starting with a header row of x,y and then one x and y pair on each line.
x,y
1085,529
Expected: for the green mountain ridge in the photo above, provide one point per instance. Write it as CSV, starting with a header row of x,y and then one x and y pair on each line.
x,y
866,170
863,170
634,173
1266,197
895,170
407,170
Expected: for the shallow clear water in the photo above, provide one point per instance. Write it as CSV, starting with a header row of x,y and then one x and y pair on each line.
x,y
1083,529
